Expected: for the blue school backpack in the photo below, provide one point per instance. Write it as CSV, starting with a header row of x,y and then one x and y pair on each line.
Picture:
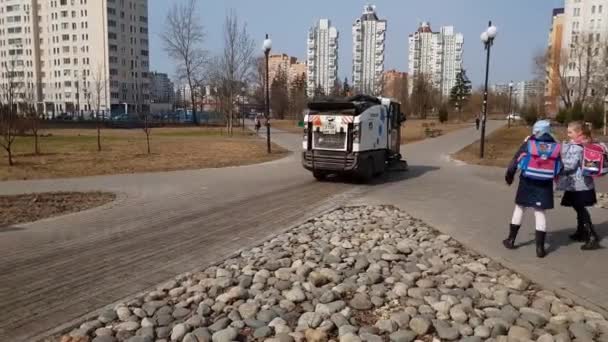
x,y
541,161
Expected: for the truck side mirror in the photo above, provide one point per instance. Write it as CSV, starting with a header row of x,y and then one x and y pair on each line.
x,y
402,118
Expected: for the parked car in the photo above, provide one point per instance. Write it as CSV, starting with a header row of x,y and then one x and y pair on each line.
x,y
514,117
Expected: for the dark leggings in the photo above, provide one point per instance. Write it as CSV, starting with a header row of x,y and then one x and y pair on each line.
x,y
582,215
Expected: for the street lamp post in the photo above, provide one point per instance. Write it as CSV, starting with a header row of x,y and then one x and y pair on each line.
x,y
510,110
267,48
487,37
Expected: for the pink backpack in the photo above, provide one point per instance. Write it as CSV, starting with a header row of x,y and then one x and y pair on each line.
x,y
594,161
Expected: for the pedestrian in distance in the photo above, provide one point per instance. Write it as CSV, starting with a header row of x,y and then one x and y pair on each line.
x,y
257,124
477,121
539,162
578,185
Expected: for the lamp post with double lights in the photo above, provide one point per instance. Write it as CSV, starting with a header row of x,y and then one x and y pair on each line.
x,y
487,38
267,48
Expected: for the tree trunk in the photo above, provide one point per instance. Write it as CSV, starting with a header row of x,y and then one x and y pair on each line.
x,y
10,155
148,134
148,140
36,148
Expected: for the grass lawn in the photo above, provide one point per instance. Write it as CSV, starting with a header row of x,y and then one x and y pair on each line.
x,y
290,126
500,146
413,130
73,152
32,207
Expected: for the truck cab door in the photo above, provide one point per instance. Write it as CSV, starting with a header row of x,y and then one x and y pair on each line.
x,y
395,129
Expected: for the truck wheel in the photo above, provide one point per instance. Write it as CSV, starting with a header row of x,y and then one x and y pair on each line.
x,y
379,171
366,171
319,175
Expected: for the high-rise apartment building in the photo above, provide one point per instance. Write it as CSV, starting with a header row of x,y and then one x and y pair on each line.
x,y
369,35
552,83
322,58
71,54
437,56
585,31
162,90
524,93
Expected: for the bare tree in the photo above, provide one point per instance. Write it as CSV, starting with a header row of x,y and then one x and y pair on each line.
x,y
99,93
298,98
31,113
581,66
10,91
183,39
143,113
423,97
236,64
279,94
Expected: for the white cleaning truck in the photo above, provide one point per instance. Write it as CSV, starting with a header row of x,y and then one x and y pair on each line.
x,y
359,136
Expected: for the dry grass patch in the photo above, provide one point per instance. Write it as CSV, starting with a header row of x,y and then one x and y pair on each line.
x,y
290,126
414,129
73,153
500,146
15,209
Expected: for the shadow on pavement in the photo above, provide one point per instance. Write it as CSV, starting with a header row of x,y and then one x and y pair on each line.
x,y
7,229
561,238
414,171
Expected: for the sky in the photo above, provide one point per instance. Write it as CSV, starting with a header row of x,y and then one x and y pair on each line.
x,y
523,28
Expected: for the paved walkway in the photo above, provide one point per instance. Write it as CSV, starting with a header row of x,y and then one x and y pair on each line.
x,y
168,223
474,205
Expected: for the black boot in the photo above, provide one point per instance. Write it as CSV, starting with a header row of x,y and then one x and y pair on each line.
x,y
592,239
509,242
580,234
540,244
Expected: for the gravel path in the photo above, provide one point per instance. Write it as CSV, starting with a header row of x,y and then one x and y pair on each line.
x,y
355,274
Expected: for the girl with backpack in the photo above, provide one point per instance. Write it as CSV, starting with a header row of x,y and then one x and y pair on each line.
x,y
578,185
538,158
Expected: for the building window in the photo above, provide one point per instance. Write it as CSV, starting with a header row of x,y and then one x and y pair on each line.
x,y
593,9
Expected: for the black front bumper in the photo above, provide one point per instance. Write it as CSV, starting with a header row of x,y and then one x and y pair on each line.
x,y
336,161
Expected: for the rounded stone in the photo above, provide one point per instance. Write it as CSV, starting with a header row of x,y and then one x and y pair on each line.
x,y
420,325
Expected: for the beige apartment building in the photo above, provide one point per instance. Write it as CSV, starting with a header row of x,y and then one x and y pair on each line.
x,y
288,64
552,83
73,56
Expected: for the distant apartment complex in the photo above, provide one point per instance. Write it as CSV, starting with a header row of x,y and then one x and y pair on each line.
x,y
322,57
62,51
552,83
369,35
436,55
162,90
525,93
289,65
